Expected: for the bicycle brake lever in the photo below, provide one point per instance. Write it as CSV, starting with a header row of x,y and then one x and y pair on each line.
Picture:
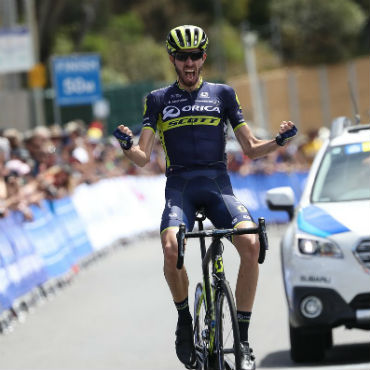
x,y
180,236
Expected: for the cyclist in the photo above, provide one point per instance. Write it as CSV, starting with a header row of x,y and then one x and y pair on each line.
x,y
191,117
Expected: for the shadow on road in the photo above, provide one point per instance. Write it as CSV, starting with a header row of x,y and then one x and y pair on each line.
x,y
345,354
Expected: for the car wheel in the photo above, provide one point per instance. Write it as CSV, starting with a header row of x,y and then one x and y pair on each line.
x,y
309,346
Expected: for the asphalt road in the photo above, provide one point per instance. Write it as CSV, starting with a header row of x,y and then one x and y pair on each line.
x,y
118,314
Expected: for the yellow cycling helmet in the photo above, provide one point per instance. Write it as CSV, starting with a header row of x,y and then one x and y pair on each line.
x,y
186,37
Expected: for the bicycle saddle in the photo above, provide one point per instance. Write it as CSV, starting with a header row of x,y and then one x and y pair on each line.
x,y
200,214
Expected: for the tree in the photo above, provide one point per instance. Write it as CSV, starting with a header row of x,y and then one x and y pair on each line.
x,y
364,39
130,34
316,31
127,51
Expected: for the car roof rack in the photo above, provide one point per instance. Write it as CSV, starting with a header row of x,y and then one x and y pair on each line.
x,y
358,128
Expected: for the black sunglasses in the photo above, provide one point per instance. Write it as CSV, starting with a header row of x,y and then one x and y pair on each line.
x,y
194,55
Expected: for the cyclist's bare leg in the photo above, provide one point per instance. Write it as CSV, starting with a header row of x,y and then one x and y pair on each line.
x,y
178,283
177,280
248,249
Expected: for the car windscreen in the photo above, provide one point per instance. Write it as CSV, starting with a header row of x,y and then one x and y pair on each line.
x,y
344,174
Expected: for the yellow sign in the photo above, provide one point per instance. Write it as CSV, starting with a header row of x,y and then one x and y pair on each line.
x,y
37,76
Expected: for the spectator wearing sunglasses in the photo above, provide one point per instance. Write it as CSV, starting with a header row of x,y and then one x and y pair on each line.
x,y
191,117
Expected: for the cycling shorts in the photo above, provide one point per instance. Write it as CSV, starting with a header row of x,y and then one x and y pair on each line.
x,y
211,189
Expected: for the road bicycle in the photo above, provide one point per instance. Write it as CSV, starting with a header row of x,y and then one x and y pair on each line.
x,y
216,330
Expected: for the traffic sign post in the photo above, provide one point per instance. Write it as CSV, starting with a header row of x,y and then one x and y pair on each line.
x,y
76,80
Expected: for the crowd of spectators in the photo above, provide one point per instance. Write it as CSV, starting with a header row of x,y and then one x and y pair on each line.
x,y
49,162
297,156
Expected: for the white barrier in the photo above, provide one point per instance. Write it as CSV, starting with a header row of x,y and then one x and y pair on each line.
x,y
120,207
65,232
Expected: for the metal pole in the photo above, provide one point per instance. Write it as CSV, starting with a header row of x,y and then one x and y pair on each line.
x,y
325,96
265,104
293,98
37,92
56,108
249,41
220,60
352,85
8,12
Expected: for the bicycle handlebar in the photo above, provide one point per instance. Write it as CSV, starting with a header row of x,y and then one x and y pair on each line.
x,y
220,233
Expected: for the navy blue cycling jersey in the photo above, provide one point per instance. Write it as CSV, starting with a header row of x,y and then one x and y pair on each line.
x,y
192,126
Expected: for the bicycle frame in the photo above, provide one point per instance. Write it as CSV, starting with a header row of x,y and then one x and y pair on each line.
x,y
214,254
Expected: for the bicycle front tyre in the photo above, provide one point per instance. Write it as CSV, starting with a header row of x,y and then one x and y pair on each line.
x,y
227,330
200,328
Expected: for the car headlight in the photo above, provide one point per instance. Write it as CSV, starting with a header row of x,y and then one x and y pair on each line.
x,y
315,247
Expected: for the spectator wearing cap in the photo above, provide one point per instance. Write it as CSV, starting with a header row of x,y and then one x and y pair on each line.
x,y
80,156
59,139
15,138
35,141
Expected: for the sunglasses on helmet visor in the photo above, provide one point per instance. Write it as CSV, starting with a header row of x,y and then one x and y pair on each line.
x,y
194,55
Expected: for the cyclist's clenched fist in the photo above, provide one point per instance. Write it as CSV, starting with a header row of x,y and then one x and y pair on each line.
x,y
287,131
285,126
125,129
124,136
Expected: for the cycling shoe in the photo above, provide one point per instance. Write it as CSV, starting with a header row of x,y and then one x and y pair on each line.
x,y
185,345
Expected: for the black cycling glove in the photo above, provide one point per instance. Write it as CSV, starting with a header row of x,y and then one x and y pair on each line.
x,y
124,140
282,139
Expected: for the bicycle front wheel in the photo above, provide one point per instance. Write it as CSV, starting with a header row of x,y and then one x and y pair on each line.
x,y
227,330
200,329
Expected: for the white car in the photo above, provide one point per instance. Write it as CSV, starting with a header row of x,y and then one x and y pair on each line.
x,y
325,251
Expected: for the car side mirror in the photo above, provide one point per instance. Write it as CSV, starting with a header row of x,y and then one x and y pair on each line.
x,y
281,199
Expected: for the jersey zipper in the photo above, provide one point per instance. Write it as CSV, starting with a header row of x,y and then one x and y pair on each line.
x,y
192,101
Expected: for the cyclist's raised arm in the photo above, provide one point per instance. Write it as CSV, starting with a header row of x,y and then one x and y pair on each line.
x,y
140,153
255,148
251,146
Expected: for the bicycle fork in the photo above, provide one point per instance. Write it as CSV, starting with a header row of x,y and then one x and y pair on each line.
x,y
213,254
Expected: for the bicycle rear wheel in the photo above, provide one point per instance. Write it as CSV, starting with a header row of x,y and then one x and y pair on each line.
x,y
227,330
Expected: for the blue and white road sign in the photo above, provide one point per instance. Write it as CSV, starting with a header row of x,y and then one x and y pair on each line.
x,y
76,79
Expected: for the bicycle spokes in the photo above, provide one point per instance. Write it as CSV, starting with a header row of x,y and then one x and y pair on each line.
x,y
227,330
